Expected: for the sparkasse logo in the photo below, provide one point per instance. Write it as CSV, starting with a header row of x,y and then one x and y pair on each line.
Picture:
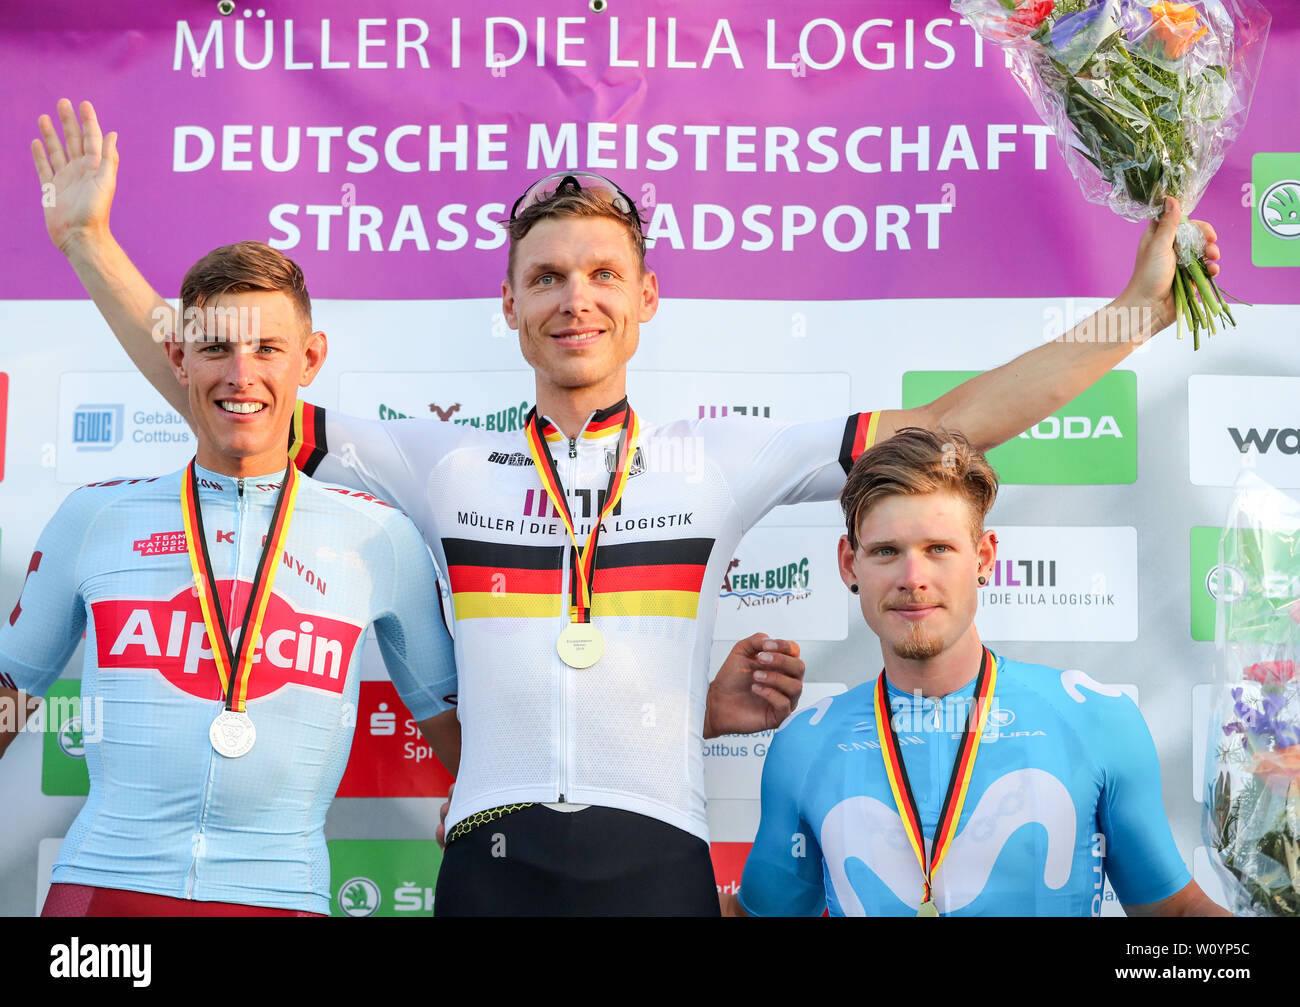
x,y
1090,441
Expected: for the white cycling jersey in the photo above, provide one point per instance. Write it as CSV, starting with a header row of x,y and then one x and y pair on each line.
x,y
627,732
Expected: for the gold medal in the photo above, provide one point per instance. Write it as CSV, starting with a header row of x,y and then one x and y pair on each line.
x,y
928,909
580,645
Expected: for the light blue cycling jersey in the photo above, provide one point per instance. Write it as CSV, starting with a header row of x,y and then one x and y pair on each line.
x,y
1066,786
166,814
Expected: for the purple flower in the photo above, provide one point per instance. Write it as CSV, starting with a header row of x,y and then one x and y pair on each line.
x,y
1065,29
1286,735
1134,18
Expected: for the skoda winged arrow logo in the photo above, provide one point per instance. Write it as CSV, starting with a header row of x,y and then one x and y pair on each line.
x,y
1279,210
359,896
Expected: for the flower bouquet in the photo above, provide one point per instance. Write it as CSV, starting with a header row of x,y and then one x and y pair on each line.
x,y
1252,807
1144,98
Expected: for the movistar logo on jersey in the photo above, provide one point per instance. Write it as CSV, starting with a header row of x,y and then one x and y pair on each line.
x,y
1275,217
97,427
1257,580
1090,441
390,877
787,582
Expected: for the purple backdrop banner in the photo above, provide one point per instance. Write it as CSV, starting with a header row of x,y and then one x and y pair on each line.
x,y
817,150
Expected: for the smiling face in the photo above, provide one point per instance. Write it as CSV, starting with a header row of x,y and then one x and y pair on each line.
x,y
243,387
577,297
916,568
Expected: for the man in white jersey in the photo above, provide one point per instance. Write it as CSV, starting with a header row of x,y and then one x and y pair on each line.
x,y
225,609
583,639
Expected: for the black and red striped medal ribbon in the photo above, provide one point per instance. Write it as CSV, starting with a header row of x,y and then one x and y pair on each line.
x,y
958,781
580,644
232,733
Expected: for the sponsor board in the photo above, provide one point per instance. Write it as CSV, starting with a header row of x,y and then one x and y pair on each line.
x,y
1062,584
733,763
1275,217
383,877
664,396
1258,580
1090,441
729,864
47,852
114,424
1202,698
390,757
63,756
1236,422
1205,874
486,400
784,582
786,397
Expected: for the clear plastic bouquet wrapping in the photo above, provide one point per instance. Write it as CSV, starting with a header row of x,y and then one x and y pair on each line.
x,y
1252,801
1144,97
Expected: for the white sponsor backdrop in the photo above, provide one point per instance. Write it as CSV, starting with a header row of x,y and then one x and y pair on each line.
x,y
1063,584
809,360
1244,422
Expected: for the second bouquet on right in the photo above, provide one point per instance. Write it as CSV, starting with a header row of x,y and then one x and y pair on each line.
x,y
1145,98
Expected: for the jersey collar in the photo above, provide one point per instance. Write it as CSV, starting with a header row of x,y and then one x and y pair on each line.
x,y
601,423
257,489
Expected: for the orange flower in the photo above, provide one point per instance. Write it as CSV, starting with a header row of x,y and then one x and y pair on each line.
x,y
1278,768
1175,24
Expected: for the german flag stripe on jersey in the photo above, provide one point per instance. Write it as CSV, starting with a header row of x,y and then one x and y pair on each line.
x,y
504,581
307,445
859,434
601,424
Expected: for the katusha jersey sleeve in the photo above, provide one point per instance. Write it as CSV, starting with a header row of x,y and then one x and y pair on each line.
x,y
416,649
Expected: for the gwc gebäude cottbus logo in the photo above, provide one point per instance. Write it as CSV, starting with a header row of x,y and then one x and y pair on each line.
x,y
1279,209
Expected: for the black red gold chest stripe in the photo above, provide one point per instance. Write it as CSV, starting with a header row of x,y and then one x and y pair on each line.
x,y
495,580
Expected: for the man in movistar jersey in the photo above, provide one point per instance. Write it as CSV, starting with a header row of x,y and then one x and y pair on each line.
x,y
959,782
225,609
535,600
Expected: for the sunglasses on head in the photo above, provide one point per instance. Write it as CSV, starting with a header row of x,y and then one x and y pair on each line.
x,y
576,181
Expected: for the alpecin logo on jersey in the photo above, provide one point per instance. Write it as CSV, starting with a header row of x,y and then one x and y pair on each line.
x,y
168,636
161,543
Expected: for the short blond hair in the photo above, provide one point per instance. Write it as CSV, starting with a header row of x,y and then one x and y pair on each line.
x,y
572,202
243,267
914,462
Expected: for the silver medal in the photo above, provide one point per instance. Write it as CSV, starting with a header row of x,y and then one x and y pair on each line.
x,y
232,734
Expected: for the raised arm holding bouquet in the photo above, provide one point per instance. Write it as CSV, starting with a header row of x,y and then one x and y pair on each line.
x,y
1145,97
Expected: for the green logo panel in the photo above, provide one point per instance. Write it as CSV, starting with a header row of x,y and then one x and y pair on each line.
x,y
1259,580
63,761
383,877
1275,216
1091,441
